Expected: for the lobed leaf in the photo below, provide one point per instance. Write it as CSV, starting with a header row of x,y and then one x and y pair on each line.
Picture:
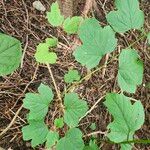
x,y
52,138
51,42
10,54
54,16
38,103
130,72
92,146
71,25
126,146
127,118
71,141
36,131
59,123
128,16
43,55
97,42
74,109
72,75
93,126
148,38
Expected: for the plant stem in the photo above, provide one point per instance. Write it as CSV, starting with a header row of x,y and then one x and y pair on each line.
x,y
101,67
135,141
91,109
138,141
143,36
56,88
88,75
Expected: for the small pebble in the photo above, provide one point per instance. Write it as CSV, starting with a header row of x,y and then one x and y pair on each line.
x,y
39,6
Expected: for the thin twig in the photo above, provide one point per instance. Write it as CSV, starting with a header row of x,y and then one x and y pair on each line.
x,y
24,51
34,76
87,76
3,3
99,68
92,108
27,14
18,116
88,6
55,86
105,65
18,111
12,122
95,133
27,26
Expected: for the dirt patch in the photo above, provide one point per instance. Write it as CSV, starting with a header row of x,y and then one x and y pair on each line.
x,y
21,20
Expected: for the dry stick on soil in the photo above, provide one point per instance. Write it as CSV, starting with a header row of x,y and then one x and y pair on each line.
x,y
27,24
18,117
105,64
24,51
48,34
92,108
105,60
95,133
88,75
88,6
56,88
99,68
18,111
3,4
98,12
67,7
12,122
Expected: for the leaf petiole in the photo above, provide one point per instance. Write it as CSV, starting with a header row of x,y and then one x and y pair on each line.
x,y
56,88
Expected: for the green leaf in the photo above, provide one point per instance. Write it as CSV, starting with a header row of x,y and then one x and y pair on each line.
x,y
51,42
74,109
147,85
59,123
93,126
126,146
72,141
54,16
36,131
127,117
130,72
97,42
128,16
52,138
92,146
148,38
10,54
71,25
38,103
43,55
72,75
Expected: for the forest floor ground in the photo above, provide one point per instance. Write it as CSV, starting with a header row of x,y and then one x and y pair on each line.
x,y
19,19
